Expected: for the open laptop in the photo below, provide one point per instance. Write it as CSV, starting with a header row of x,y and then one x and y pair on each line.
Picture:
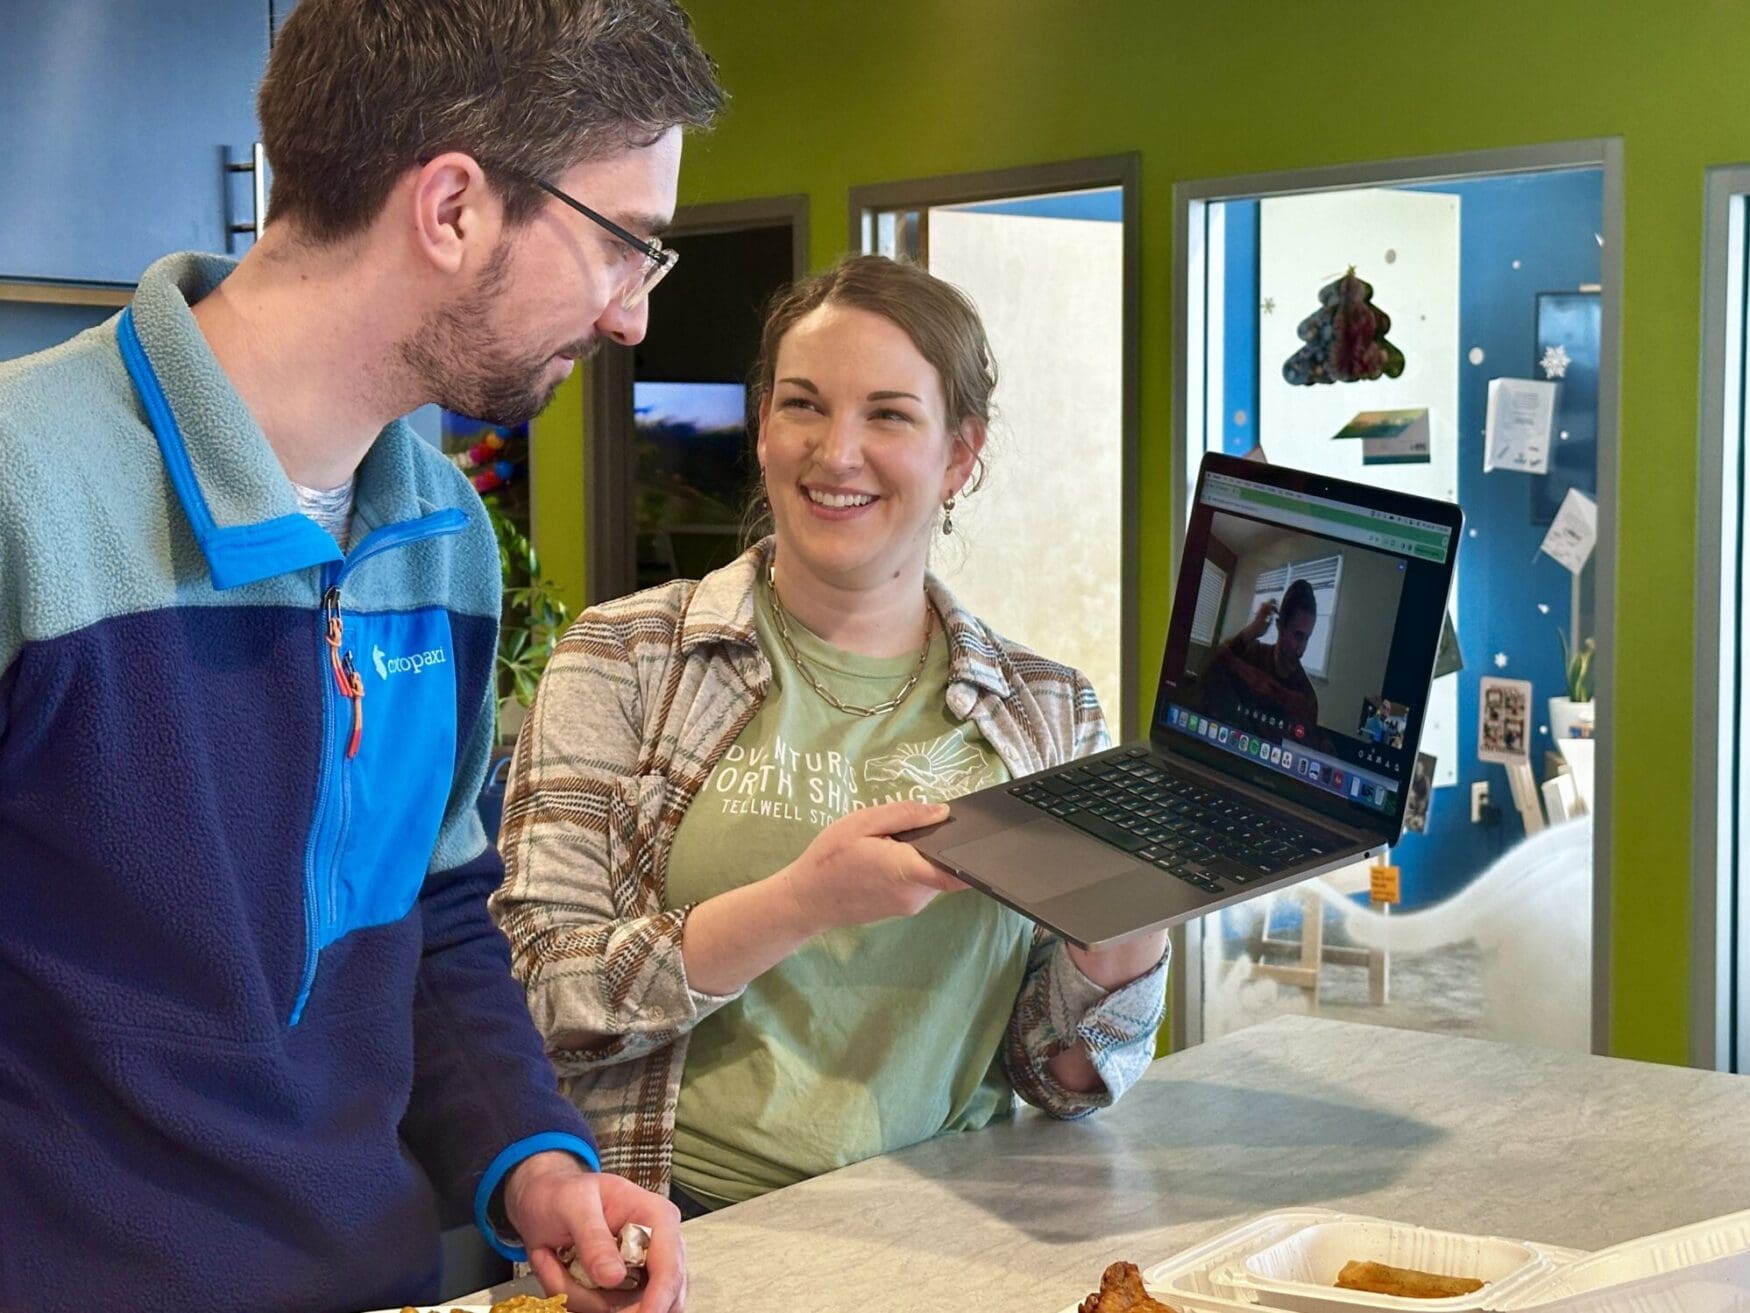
x,y
1291,701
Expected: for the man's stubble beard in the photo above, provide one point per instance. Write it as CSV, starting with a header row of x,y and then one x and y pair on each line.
x,y
464,365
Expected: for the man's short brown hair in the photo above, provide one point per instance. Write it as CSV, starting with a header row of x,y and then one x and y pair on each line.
x,y
358,91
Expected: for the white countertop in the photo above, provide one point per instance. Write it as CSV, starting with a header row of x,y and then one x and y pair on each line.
x,y
1456,1134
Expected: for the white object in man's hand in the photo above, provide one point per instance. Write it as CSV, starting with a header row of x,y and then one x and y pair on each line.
x,y
634,1250
554,1202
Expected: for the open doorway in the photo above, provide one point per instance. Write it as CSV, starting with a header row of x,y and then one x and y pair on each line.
x,y
1046,548
668,460
1494,277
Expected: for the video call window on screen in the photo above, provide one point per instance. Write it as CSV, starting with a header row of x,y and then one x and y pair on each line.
x,y
1295,630
1288,658
1383,722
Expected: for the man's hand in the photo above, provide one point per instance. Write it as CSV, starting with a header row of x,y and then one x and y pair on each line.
x,y
553,1200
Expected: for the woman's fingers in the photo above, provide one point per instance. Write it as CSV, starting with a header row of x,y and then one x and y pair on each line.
x,y
926,872
897,817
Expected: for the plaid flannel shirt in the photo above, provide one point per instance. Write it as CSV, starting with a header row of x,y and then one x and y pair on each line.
x,y
642,697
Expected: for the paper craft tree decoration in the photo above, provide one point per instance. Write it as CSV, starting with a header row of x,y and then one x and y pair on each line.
x,y
1345,338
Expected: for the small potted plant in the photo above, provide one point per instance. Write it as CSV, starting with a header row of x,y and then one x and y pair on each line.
x,y
1572,716
531,622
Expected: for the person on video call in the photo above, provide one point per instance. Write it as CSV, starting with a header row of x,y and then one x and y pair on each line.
x,y
1249,675
1374,726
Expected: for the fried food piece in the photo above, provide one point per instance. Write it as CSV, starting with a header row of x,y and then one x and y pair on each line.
x,y
1406,1282
515,1304
1121,1292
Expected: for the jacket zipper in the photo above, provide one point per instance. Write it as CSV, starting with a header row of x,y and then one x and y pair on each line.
x,y
323,851
346,675
352,688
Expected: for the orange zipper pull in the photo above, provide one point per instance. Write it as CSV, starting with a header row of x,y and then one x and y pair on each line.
x,y
355,689
346,675
331,605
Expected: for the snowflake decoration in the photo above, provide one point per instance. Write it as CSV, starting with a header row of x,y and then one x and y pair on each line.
x,y
1555,361
1500,661
1269,306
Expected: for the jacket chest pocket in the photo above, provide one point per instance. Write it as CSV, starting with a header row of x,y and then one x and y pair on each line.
x,y
393,794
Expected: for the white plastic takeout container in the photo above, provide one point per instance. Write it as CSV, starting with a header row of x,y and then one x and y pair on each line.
x,y
1700,1268
1287,1262
1277,1263
1299,1272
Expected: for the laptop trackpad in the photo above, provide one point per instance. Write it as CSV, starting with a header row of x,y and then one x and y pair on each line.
x,y
1038,860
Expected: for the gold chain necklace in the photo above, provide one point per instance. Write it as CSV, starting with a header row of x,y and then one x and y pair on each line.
x,y
880,708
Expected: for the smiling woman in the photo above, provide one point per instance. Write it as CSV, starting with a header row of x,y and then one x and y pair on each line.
x,y
855,474
822,695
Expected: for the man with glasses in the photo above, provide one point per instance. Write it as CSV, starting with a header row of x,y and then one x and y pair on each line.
x,y
259,1040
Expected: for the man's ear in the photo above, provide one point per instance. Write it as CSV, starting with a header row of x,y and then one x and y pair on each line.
x,y
456,215
968,442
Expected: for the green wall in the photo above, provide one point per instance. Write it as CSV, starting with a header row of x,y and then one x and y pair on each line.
x,y
556,490
832,93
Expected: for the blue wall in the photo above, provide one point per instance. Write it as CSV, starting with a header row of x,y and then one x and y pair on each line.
x,y
1548,223
1104,205
27,326
1239,362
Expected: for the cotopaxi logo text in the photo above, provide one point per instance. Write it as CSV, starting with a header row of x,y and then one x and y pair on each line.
x,y
413,663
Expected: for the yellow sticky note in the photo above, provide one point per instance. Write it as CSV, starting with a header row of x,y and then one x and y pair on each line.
x,y
1386,886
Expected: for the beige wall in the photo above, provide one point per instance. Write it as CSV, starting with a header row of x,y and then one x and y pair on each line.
x,y
1042,555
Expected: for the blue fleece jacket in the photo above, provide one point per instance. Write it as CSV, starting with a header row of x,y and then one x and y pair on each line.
x,y
259,1039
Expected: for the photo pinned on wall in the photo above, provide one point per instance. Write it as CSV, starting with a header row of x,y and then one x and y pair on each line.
x,y
1574,534
1503,718
1516,431
1421,794
1390,437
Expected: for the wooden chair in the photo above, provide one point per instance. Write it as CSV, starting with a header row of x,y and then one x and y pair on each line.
x,y
1310,949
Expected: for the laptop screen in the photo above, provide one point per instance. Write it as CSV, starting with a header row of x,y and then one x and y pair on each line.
x,y
1303,636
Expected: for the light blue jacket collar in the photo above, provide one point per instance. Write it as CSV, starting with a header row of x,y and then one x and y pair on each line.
x,y
230,484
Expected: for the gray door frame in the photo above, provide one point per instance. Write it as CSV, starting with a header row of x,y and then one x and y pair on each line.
x,y
1190,207
1717,998
1125,173
611,555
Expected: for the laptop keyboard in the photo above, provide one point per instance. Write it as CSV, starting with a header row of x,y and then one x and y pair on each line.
x,y
1206,837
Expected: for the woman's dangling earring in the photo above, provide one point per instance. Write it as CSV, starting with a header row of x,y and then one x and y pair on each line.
x,y
948,516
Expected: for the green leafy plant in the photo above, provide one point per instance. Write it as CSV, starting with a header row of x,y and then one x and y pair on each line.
x,y
1577,666
531,622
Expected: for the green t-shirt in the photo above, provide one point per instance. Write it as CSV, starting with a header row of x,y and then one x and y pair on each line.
x,y
867,1038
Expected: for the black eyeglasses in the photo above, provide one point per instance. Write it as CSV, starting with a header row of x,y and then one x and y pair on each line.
x,y
658,259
